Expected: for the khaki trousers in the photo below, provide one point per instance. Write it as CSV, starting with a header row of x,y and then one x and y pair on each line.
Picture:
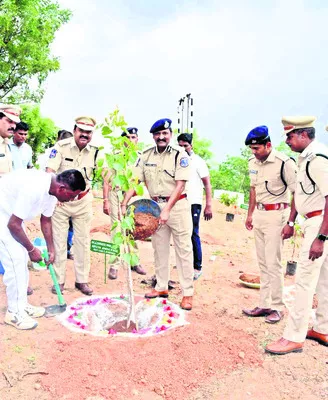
x,y
268,241
179,225
81,213
311,277
114,209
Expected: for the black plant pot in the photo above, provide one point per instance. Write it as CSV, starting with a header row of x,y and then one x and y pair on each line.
x,y
230,217
291,268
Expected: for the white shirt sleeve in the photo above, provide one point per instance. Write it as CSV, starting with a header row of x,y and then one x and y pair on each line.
x,y
202,168
50,207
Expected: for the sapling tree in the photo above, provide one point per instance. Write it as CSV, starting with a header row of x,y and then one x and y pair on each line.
x,y
117,166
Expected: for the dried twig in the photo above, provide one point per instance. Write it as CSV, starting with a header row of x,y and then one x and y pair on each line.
x,y
33,373
7,379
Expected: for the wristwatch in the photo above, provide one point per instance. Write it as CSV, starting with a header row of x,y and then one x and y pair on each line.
x,y
290,223
322,237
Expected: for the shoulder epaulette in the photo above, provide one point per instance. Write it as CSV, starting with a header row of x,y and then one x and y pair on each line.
x,y
149,148
282,156
311,157
251,157
64,142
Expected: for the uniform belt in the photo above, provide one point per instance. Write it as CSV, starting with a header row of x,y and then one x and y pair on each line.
x,y
313,214
269,207
82,194
163,199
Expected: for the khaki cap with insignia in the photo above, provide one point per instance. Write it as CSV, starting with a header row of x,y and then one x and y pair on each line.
x,y
291,123
85,123
10,111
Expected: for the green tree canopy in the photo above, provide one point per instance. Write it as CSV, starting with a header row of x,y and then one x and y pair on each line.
x,y
232,174
201,146
42,132
283,148
27,29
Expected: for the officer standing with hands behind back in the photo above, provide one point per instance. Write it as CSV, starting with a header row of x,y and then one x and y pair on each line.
x,y
272,176
165,171
75,153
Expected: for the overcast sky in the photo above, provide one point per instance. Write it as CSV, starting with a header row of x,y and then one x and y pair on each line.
x,y
245,62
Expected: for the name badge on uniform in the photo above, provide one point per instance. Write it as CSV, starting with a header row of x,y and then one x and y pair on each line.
x,y
53,153
150,165
253,171
184,162
2,155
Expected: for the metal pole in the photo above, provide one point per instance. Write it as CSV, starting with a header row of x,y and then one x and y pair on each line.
x,y
182,112
191,114
188,101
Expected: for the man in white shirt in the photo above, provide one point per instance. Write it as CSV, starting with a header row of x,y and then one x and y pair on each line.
x,y
199,179
21,152
25,194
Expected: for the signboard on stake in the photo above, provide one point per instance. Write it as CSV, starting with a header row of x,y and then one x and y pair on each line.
x,y
98,246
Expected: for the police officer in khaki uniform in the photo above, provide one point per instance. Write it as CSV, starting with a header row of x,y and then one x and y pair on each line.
x,y
311,201
272,176
9,117
165,171
75,153
112,204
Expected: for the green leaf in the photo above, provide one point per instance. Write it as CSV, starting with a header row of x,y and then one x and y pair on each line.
x,y
134,259
106,130
139,190
127,223
127,258
118,166
118,238
114,225
112,259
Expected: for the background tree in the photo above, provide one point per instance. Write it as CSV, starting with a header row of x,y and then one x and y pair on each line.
x,y
283,148
201,146
43,131
232,174
27,29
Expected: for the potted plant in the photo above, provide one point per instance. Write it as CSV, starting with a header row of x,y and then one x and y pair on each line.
x,y
228,201
295,241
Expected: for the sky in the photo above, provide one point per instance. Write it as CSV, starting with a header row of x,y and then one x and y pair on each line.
x,y
245,62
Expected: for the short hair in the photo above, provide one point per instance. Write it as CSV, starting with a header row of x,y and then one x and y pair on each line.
x,y
309,131
63,134
22,126
73,179
185,137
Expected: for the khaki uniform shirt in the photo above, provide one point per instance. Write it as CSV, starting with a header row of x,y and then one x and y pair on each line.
x,y
160,171
6,162
66,155
318,170
265,177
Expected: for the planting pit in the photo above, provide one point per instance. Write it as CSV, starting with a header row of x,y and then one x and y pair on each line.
x,y
107,316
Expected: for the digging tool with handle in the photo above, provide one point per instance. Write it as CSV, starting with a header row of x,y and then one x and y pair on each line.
x,y
57,308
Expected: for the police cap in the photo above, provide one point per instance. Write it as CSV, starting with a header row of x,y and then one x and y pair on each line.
x,y
258,135
160,125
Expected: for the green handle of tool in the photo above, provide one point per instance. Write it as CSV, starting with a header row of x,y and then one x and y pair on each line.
x,y
55,282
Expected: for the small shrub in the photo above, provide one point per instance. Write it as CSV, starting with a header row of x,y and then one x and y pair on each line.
x,y
228,200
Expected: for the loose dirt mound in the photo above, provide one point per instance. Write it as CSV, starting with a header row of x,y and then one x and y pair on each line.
x,y
250,278
170,365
